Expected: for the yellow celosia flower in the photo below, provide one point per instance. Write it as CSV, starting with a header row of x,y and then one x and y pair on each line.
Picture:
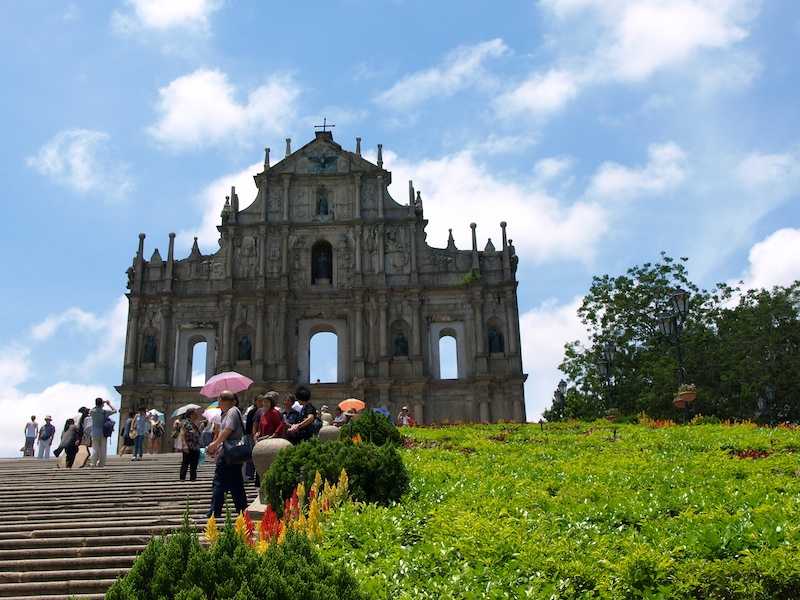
x,y
282,535
239,527
317,484
262,546
341,487
211,531
301,493
313,528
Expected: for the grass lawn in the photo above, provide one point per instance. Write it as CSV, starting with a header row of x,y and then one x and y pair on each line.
x,y
583,511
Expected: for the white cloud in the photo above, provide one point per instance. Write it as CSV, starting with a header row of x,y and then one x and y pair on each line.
x,y
773,261
157,15
458,189
108,329
200,109
758,170
79,159
631,41
666,168
211,200
544,331
61,401
650,35
548,169
462,67
542,94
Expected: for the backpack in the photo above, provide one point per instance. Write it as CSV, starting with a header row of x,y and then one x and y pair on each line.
x,y
108,427
316,425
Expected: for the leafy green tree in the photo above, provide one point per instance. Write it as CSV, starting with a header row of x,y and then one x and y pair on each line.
x,y
623,311
734,344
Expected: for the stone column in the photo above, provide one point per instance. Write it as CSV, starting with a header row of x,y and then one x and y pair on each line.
x,y
225,336
265,197
358,249
281,349
166,327
380,196
262,253
381,251
382,325
258,351
170,263
416,332
511,320
286,181
486,415
357,184
359,328
133,334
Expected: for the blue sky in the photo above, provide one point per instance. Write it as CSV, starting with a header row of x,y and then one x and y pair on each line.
x,y
602,131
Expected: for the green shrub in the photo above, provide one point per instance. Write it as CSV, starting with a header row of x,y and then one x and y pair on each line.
x,y
374,474
179,567
372,427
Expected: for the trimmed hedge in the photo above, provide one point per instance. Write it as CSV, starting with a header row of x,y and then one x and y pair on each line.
x,y
372,427
374,474
179,567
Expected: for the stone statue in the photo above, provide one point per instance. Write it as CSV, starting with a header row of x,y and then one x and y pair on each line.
x,y
495,341
323,266
400,344
322,205
149,355
244,348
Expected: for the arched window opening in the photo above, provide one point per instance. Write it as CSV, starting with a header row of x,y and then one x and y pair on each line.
x,y
323,358
197,364
448,357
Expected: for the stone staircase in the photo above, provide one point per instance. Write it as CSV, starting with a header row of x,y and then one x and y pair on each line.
x,y
70,532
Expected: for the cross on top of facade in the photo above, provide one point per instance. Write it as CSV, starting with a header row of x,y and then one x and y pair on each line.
x,y
324,125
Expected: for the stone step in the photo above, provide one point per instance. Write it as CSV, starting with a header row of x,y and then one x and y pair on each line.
x,y
73,536
63,589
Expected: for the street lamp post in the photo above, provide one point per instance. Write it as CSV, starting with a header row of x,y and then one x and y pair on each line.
x,y
604,366
671,324
765,405
560,398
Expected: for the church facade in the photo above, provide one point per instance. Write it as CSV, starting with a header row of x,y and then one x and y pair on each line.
x,y
323,247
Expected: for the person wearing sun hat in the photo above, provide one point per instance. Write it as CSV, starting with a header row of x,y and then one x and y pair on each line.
x,y
46,434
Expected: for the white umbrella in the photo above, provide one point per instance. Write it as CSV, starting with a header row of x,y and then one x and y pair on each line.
x,y
213,415
158,413
184,409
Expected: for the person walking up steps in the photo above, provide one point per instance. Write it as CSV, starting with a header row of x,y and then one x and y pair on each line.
x,y
99,440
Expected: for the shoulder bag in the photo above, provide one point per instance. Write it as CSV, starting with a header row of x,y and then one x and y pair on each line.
x,y
240,451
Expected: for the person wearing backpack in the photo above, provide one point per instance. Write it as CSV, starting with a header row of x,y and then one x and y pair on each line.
x,y
99,439
306,427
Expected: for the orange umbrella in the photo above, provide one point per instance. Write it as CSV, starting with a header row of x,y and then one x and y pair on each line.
x,y
353,403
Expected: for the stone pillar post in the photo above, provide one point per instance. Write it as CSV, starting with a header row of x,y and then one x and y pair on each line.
x,y
380,196
382,325
357,184
133,334
359,328
262,253
225,336
286,180
511,320
170,263
258,351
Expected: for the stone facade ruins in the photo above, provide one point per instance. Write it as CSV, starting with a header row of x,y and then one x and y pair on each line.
x,y
325,248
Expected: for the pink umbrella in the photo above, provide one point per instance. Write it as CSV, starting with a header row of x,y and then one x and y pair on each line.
x,y
229,380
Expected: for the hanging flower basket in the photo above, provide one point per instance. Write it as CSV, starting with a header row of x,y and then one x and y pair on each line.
x,y
679,402
687,396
